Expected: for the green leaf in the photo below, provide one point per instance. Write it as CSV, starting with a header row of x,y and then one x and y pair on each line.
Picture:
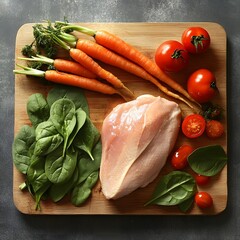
x,y
86,166
80,120
22,148
173,189
37,109
208,160
74,94
47,138
87,137
36,175
186,205
58,191
59,168
82,191
40,193
62,114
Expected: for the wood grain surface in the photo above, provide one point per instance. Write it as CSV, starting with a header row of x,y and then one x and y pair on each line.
x,y
146,37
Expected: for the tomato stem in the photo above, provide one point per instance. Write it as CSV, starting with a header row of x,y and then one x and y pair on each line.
x,y
198,40
213,85
177,54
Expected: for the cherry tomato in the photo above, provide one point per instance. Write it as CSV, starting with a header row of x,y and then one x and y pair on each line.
x,y
202,180
171,56
179,158
196,40
201,85
214,129
193,126
203,200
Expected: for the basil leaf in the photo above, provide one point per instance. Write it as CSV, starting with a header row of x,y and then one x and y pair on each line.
x,y
173,189
62,114
208,160
22,148
37,109
74,94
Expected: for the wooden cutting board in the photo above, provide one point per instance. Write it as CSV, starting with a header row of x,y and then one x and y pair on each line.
x,y
146,37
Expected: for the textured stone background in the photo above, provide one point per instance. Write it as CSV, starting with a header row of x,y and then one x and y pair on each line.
x,y
14,225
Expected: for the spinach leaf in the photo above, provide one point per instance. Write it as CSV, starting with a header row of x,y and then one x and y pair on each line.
x,y
186,205
173,189
82,191
37,109
74,94
62,114
40,193
36,181
58,191
80,120
87,137
36,175
86,166
59,168
47,138
22,148
208,160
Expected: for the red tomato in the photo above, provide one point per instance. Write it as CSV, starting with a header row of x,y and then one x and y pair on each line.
x,y
202,180
203,200
179,158
214,129
193,126
201,85
171,56
196,40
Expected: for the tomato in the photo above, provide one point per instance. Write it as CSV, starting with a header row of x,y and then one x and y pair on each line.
x,y
201,85
179,158
202,180
171,56
203,200
196,40
193,126
214,129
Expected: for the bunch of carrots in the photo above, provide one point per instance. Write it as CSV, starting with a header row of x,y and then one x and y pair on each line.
x,y
83,71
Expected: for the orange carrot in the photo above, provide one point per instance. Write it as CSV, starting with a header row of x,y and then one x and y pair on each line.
x,y
78,81
119,46
72,80
63,65
101,53
73,67
94,67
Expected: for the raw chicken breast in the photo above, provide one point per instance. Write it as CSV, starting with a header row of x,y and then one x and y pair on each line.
x,y
137,138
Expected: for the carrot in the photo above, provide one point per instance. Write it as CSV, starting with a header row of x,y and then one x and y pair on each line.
x,y
73,67
94,67
86,61
72,80
119,46
101,53
63,65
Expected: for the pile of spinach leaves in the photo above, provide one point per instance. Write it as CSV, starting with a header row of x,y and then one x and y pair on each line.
x,y
60,153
